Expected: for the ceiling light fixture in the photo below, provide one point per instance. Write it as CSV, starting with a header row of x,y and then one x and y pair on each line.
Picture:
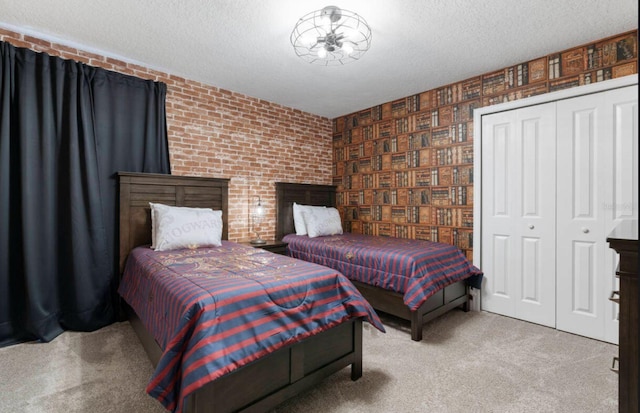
x,y
331,36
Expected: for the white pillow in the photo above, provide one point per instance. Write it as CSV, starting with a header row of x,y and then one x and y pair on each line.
x,y
322,222
298,219
182,227
153,224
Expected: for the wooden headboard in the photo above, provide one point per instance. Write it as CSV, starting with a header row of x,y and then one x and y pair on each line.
x,y
306,194
136,190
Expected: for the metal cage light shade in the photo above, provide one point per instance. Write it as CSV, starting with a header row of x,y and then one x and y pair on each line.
x,y
331,36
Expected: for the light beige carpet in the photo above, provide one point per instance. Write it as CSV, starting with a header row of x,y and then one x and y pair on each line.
x,y
467,362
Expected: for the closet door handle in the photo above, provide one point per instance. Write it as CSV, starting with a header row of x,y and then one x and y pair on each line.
x,y
585,230
531,226
615,361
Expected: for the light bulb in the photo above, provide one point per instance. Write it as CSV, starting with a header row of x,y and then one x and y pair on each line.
x,y
322,53
259,210
352,34
347,48
307,40
325,22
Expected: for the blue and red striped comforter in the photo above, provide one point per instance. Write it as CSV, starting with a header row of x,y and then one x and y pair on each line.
x,y
213,310
415,268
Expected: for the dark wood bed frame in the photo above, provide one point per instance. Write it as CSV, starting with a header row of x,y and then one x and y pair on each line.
x,y
267,382
452,296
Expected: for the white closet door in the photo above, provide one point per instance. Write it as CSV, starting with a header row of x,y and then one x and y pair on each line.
x,y
597,184
518,213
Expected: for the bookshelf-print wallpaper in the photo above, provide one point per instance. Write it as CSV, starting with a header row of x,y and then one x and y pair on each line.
x,y
405,168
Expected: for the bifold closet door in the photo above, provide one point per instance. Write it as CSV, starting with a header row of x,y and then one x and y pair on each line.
x,y
518,213
597,153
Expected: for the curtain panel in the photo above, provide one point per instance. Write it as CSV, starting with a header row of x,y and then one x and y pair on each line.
x,y
66,128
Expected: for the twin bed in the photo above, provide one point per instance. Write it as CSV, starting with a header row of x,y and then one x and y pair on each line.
x,y
309,316
243,329
411,279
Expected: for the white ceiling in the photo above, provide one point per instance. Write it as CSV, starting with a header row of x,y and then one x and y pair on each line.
x,y
243,45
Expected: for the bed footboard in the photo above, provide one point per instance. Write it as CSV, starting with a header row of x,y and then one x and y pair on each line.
x,y
269,381
264,384
452,296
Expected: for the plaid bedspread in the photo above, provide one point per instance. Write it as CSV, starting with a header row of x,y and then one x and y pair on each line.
x,y
415,268
213,310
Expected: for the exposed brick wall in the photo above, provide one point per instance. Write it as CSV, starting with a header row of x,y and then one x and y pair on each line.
x,y
218,133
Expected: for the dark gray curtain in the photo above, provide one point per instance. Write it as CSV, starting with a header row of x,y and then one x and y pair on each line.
x,y
65,130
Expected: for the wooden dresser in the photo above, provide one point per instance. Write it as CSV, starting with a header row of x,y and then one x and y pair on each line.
x,y
624,239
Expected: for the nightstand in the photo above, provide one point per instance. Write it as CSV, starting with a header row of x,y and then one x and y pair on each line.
x,y
278,247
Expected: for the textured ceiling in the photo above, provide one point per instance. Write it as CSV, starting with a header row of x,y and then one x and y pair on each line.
x,y
243,45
